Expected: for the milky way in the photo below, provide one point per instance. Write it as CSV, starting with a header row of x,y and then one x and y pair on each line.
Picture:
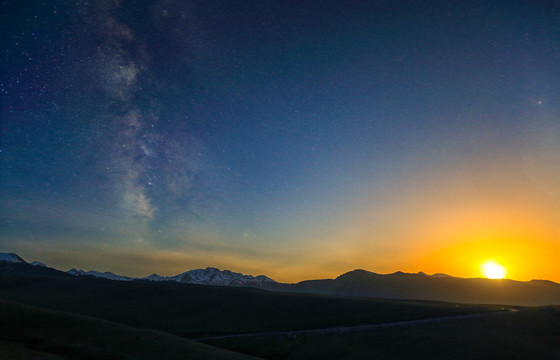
x,y
299,139
144,164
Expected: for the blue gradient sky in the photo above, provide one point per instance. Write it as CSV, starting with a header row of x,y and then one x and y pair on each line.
x,y
298,139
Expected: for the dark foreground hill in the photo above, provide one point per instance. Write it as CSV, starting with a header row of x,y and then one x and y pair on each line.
x,y
527,334
361,283
59,316
28,332
198,310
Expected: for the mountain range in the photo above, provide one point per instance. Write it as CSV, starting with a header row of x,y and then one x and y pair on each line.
x,y
11,257
361,283
440,287
208,276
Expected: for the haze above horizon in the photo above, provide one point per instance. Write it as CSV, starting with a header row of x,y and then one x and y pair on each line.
x,y
300,140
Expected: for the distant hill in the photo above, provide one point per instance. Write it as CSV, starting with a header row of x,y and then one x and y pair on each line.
x,y
357,283
21,269
200,310
440,287
213,276
11,257
37,263
208,276
106,275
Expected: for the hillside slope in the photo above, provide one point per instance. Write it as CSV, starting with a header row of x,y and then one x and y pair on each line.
x,y
199,310
53,334
399,285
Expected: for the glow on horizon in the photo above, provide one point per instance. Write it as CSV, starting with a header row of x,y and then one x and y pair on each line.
x,y
442,219
492,270
287,147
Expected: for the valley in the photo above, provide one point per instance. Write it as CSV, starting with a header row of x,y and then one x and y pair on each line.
x,y
202,321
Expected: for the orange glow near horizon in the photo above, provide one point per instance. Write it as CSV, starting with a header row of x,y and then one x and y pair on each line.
x,y
524,260
493,270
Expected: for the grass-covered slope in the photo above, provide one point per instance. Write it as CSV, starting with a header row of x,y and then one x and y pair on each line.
x,y
196,310
527,334
33,333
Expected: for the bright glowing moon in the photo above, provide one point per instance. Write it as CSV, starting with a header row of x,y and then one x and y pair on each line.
x,y
493,270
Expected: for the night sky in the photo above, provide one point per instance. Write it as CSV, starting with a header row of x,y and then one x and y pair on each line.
x,y
297,139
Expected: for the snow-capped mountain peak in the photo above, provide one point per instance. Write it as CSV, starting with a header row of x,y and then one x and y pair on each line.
x,y
11,257
156,277
213,276
208,276
38,263
106,275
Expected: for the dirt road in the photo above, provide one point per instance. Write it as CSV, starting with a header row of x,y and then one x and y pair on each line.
x,y
348,329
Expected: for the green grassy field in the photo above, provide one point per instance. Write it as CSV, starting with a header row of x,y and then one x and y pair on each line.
x,y
528,334
33,333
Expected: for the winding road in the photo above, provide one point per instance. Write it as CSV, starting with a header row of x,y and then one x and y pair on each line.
x,y
355,328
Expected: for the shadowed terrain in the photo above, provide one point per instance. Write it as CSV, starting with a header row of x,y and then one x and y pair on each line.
x,y
528,334
197,310
28,332
118,319
399,285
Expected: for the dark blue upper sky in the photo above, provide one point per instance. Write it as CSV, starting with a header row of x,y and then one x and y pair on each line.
x,y
251,133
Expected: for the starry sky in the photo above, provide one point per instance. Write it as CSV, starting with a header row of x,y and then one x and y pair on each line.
x,y
297,139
